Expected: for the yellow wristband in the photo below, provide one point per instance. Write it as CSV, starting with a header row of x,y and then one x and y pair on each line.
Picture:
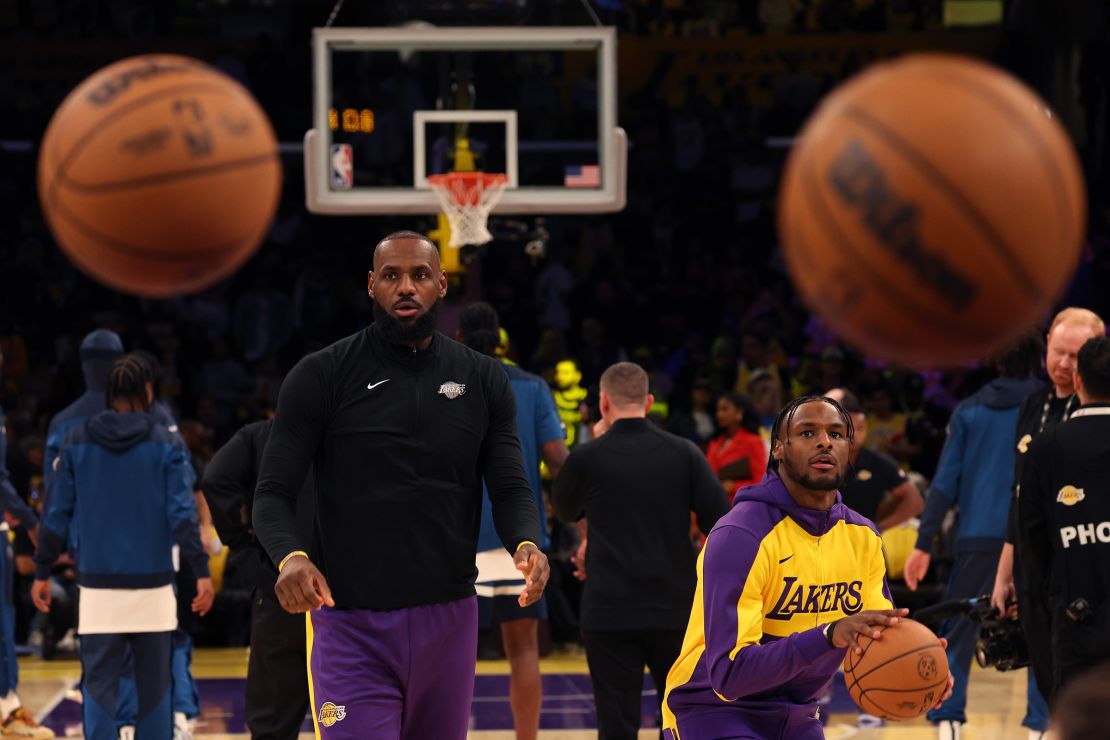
x,y
522,544
289,557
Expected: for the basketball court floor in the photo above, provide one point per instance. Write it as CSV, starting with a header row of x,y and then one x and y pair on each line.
x,y
996,705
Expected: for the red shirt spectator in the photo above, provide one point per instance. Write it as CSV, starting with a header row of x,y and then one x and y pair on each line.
x,y
737,455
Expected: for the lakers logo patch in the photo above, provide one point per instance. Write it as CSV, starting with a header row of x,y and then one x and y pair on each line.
x,y
452,390
1023,443
863,475
1070,495
330,714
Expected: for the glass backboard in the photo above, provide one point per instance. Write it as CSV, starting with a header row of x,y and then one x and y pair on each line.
x,y
395,105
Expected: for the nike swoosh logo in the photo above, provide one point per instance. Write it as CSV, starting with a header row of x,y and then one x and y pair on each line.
x,y
786,558
372,386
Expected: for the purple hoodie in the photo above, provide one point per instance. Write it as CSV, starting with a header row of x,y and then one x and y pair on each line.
x,y
772,574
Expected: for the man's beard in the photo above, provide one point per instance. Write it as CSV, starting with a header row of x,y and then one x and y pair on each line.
x,y
396,332
828,484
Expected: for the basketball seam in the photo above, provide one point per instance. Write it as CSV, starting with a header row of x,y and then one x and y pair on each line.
x,y
165,177
879,711
810,182
138,251
888,661
1004,107
864,692
956,197
864,696
858,659
63,163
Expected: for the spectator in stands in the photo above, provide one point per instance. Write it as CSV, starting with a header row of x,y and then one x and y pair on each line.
x,y
737,456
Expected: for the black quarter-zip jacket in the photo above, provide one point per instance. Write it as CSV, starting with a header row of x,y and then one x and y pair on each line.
x,y
401,440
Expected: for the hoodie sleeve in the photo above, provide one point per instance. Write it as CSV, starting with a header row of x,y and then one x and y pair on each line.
x,y
181,510
57,518
946,482
294,436
734,573
50,458
12,502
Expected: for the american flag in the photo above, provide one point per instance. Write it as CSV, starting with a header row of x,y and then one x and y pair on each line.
x,y
582,176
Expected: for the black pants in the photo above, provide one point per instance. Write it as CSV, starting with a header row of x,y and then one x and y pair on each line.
x,y
616,661
277,676
1036,622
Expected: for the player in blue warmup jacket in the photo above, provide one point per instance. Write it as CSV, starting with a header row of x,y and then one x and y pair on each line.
x,y
127,484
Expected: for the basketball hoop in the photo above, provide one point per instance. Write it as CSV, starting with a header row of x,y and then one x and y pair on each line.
x,y
467,199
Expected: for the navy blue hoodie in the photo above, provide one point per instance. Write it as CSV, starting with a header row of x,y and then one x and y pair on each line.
x,y
125,482
976,468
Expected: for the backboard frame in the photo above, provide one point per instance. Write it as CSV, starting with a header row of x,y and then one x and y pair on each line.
x,y
613,144
421,119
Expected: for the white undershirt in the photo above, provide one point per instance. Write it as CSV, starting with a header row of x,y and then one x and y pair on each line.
x,y
114,610
497,565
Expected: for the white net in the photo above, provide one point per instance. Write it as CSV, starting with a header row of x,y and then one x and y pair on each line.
x,y
467,199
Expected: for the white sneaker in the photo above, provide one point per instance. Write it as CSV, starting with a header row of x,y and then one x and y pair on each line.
x,y
948,730
127,732
68,643
867,721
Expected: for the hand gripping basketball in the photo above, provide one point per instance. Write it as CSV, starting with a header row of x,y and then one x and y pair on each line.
x,y
301,587
895,668
846,633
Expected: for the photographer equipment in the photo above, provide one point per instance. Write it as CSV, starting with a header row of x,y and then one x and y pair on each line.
x,y
1001,643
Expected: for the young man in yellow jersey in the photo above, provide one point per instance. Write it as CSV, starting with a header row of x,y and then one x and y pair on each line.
x,y
789,579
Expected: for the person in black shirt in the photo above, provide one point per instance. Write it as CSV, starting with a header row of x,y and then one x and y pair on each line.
x,y
875,481
636,486
1040,413
1064,525
401,425
277,686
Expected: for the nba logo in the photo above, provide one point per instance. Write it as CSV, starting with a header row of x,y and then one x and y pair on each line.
x,y
342,167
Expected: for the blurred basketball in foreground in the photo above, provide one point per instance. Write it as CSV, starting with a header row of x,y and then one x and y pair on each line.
x,y
932,210
901,675
159,175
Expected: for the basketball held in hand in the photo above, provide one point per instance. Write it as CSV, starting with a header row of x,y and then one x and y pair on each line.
x,y
159,175
932,210
899,676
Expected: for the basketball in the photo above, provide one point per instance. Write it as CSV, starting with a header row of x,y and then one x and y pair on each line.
x,y
900,676
932,210
159,175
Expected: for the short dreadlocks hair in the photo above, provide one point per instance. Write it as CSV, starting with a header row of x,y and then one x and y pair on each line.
x,y
782,422
127,379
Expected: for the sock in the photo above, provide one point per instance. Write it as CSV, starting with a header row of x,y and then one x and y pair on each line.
x,y
180,720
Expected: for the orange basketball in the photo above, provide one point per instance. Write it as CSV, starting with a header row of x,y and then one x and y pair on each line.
x,y
159,175
932,210
899,676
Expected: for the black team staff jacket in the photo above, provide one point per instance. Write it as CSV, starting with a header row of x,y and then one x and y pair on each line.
x,y
637,485
401,440
228,485
1064,536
